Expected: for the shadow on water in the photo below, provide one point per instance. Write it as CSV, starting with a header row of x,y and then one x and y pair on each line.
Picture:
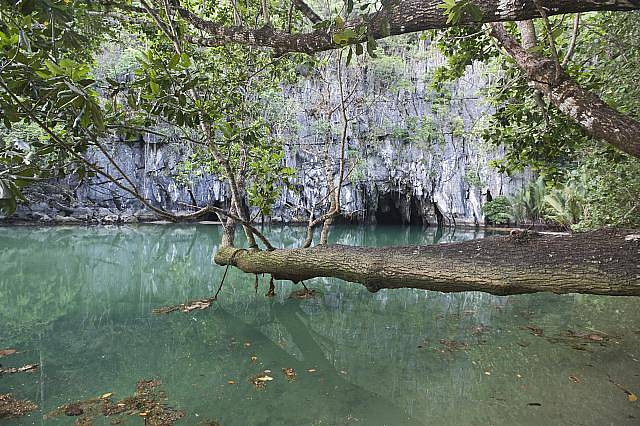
x,y
327,396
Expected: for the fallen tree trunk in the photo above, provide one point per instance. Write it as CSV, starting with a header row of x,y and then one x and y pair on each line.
x,y
603,262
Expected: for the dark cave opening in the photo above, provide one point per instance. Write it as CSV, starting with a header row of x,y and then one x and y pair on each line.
x,y
415,212
389,211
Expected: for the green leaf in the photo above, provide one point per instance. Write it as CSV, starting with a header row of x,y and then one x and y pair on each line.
x,y
474,11
371,46
155,87
349,56
349,6
8,195
174,61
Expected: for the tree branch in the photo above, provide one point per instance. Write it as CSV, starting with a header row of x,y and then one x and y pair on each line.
x,y
307,11
596,117
403,16
572,44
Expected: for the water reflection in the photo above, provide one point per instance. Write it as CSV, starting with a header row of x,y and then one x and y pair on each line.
x,y
78,301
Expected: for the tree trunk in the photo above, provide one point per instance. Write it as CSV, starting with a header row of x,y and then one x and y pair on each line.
x,y
597,118
601,262
404,16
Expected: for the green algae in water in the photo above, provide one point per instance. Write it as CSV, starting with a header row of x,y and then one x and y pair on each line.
x,y
79,301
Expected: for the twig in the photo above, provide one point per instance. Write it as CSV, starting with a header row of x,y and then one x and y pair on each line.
x,y
549,31
574,38
215,296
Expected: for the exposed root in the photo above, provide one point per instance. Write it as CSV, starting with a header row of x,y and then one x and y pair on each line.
x,y
11,407
272,288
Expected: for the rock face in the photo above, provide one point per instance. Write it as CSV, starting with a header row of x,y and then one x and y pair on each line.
x,y
413,154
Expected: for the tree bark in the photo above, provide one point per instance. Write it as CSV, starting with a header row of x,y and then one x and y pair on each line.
x,y
596,117
602,262
404,16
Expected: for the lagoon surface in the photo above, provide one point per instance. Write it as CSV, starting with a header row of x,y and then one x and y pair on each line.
x,y
78,301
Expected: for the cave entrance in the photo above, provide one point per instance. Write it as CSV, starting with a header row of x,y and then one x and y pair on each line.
x,y
212,216
390,211
415,212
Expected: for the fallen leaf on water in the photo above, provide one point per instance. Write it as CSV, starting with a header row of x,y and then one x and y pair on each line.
x,y
231,382
536,331
254,358
23,369
144,414
453,345
7,352
247,344
290,373
488,373
574,379
11,407
260,380
630,395
311,370
106,395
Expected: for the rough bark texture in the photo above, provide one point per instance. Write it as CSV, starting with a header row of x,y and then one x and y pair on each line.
x,y
597,118
404,16
603,262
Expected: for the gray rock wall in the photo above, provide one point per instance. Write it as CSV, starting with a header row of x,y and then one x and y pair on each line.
x,y
414,156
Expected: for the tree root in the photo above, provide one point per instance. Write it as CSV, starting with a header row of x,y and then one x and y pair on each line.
x,y
272,288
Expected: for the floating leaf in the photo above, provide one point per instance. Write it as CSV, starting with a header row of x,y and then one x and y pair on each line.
x,y
106,395
7,352
290,373
632,397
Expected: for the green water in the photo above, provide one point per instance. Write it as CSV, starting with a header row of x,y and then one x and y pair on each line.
x,y
78,302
